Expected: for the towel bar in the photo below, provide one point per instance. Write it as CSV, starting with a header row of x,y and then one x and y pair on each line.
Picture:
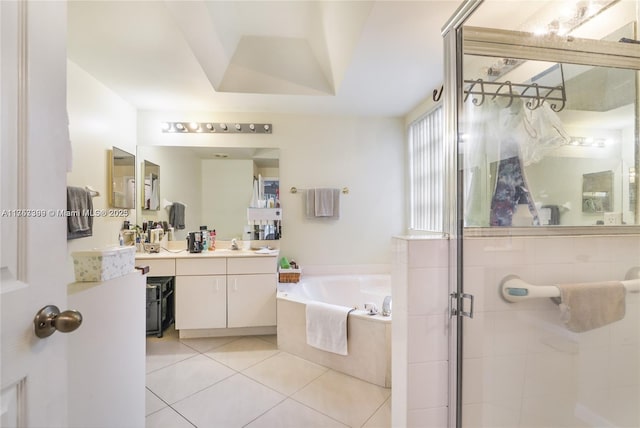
x,y
514,289
344,191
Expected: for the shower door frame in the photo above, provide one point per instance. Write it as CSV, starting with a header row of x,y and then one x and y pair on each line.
x,y
458,41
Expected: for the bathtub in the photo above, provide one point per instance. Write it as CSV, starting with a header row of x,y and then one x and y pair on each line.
x,y
369,336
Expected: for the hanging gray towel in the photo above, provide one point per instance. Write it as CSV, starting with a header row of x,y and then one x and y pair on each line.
x,y
80,207
323,203
176,215
588,306
310,203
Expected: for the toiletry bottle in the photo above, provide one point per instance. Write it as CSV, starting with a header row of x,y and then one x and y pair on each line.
x,y
121,239
212,240
205,239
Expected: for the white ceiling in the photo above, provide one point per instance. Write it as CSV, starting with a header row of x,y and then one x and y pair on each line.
x,y
378,58
338,57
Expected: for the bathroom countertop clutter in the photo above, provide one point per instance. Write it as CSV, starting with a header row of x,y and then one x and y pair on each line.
x,y
226,253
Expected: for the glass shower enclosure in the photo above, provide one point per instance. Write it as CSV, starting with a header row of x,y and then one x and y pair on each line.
x,y
545,269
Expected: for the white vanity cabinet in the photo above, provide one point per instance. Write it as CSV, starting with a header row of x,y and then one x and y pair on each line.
x,y
220,296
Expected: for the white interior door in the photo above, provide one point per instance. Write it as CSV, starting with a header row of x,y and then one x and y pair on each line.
x,y
33,258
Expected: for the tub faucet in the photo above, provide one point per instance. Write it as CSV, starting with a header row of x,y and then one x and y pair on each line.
x,y
386,306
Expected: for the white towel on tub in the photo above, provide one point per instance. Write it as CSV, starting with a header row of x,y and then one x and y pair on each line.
x,y
327,327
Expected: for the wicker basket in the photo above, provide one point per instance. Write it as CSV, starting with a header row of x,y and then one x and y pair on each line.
x,y
289,275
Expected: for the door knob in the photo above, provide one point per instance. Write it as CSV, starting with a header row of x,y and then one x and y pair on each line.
x,y
49,319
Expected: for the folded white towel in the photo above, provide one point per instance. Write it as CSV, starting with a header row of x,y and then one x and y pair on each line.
x,y
327,327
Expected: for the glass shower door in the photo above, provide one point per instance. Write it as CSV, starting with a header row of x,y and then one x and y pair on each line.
x,y
548,201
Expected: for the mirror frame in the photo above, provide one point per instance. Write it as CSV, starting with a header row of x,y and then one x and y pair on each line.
x,y
117,153
149,168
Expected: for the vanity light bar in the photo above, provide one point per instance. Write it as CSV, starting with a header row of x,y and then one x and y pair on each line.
x,y
589,142
212,128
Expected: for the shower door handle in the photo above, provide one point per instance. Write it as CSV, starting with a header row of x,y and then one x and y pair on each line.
x,y
470,312
456,304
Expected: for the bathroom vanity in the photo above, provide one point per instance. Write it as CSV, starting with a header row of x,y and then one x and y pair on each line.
x,y
219,293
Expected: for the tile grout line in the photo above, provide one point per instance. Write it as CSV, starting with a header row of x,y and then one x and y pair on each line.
x,y
376,410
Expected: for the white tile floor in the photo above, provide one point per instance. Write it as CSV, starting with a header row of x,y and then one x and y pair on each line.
x,y
247,382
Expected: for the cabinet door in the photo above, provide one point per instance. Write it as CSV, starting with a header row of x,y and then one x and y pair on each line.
x,y
201,302
251,300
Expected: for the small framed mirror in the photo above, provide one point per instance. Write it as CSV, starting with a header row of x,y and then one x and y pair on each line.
x,y
597,192
123,179
151,199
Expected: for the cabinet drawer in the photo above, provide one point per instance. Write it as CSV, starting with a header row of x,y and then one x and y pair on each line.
x,y
212,266
247,265
160,267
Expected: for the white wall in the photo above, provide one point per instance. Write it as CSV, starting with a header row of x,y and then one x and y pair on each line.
x,y
98,120
118,343
364,154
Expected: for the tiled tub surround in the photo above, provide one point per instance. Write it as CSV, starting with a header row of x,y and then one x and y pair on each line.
x,y
369,337
522,366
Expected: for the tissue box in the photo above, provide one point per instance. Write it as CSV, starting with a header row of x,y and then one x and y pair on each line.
x,y
105,264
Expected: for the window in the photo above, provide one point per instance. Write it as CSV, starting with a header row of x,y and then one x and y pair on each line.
x,y
426,172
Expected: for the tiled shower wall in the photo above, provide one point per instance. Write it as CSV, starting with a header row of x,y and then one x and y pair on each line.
x,y
419,360
522,367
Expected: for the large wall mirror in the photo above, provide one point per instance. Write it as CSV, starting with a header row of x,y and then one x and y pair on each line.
x,y
123,179
215,184
563,149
